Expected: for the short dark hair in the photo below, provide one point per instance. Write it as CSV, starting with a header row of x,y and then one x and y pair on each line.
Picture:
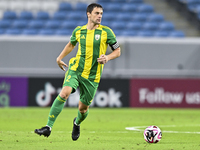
x,y
92,6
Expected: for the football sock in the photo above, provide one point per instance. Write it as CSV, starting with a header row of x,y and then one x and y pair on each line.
x,y
56,108
81,117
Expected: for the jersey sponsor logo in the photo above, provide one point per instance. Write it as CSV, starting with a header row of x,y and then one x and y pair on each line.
x,y
97,37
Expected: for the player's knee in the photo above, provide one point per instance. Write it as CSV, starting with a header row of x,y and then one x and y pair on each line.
x,y
82,111
65,92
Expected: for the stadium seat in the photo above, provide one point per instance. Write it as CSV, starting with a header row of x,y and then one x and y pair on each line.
x,y
145,33
82,22
139,17
150,26
36,24
112,7
124,17
65,6
166,26
76,15
145,8
177,34
9,15
52,24
5,24
119,1
109,16
30,32
69,24
42,15
116,25
134,25
155,17
46,32
81,6
63,32
26,15
19,24
135,1
128,33
59,15
2,31
13,31
161,33
129,7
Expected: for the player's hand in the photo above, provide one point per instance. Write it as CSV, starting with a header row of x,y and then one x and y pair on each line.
x,y
61,64
102,59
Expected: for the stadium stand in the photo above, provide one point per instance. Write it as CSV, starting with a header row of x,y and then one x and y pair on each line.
x,y
190,9
56,17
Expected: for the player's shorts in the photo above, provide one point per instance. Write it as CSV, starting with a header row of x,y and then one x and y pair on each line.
x,y
87,88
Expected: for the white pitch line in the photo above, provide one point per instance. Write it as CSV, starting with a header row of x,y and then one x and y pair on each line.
x,y
138,128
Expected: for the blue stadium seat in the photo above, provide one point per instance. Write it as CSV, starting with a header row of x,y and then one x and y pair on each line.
x,y
177,33
36,24
9,15
124,16
65,6
52,24
42,15
161,34
145,33
26,15
119,1
60,15
69,24
129,33
109,16
166,26
116,25
63,32
81,22
106,23
2,31
20,24
13,31
150,26
46,32
81,6
135,1
155,17
145,8
30,32
134,25
112,7
5,24
76,15
129,7
139,17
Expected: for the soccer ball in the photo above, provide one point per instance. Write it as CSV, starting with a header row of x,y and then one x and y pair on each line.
x,y
152,134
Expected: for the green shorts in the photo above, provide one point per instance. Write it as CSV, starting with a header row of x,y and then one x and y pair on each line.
x,y
87,88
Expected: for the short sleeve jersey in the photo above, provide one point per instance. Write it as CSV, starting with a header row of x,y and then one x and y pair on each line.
x,y
92,44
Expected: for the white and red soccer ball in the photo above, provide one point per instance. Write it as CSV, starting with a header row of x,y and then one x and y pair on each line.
x,y
152,134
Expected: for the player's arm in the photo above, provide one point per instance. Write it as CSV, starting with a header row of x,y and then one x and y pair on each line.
x,y
105,58
68,48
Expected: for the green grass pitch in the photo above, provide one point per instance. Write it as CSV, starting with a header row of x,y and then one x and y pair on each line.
x,y
104,129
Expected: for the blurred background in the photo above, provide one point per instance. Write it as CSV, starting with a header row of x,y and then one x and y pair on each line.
x,y
159,39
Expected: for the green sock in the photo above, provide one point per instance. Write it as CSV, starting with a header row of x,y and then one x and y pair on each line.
x,y
56,108
81,117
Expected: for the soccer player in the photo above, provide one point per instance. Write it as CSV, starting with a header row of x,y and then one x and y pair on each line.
x,y
85,69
